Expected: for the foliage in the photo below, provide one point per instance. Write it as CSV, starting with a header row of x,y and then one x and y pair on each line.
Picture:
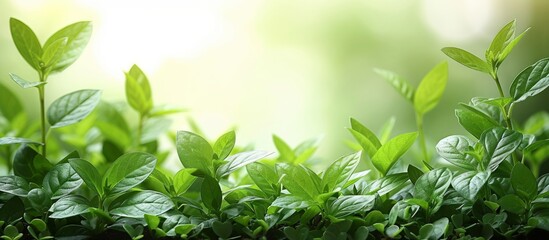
x,y
107,179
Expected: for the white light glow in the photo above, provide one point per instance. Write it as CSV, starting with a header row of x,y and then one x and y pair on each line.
x,y
148,33
458,20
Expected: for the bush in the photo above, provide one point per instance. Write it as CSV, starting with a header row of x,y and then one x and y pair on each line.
x,y
92,174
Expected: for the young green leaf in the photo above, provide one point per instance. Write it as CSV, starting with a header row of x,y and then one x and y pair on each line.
x,y
210,194
284,150
292,202
503,54
430,89
500,41
305,150
468,184
524,182
467,59
433,184
73,107
77,35
15,185
264,177
194,152
400,84
531,81
88,173
53,53
138,90
299,181
499,143
454,150
339,172
366,138
224,145
352,204
386,130
61,180
128,171
69,206
236,161
474,120
137,204
388,154
24,83
26,42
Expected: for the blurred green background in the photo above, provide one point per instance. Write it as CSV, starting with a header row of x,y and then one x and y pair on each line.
x,y
295,68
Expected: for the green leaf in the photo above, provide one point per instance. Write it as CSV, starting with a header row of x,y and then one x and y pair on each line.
x,y
454,150
400,84
61,180
39,199
387,129
388,154
88,173
305,150
531,81
432,184
499,143
431,88
236,161
264,177
128,171
138,90
524,182
512,203
224,145
194,152
153,128
14,185
163,110
339,172
77,35
299,181
414,173
10,106
183,180
474,120
387,184
469,184
30,165
366,138
17,140
467,59
152,221
137,204
53,53
173,221
286,153
69,206
352,204
210,194
503,54
26,42
501,40
112,124
24,83
73,107
292,202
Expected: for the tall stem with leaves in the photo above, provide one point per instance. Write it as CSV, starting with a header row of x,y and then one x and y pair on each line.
x,y
55,55
424,98
139,97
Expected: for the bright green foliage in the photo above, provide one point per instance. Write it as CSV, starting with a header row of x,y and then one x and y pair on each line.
x,y
113,180
390,152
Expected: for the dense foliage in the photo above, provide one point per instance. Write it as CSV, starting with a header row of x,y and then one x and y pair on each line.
x,y
94,174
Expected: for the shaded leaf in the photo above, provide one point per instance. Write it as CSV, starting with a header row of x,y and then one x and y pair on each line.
x,y
137,204
61,180
69,206
15,185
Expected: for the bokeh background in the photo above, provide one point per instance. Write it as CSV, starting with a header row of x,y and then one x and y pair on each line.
x,y
295,68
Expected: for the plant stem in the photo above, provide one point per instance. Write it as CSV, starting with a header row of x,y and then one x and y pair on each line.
x,y
419,122
140,129
42,96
